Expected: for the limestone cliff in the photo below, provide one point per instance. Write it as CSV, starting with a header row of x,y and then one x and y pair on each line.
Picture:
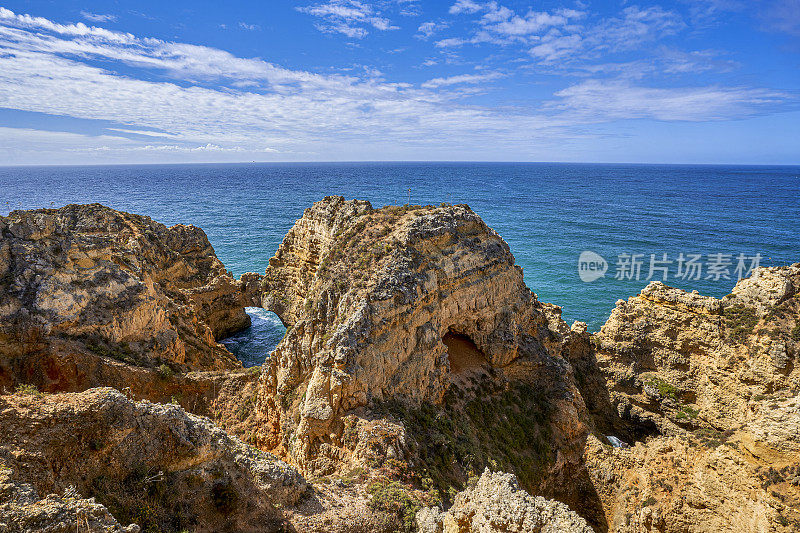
x,y
151,464
415,357
714,384
679,361
85,282
410,329
496,503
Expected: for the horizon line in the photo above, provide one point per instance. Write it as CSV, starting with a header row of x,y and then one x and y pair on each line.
x,y
398,161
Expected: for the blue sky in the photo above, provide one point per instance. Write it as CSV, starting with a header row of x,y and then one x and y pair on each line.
x,y
688,81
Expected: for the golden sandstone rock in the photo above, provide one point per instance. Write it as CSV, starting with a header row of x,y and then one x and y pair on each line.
x,y
415,357
400,304
87,282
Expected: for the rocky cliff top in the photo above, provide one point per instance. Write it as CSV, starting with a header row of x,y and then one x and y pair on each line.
x,y
496,503
149,463
86,279
398,303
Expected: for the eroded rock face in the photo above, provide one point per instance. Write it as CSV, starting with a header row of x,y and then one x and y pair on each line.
x,y
23,511
497,503
397,303
709,482
676,361
714,383
151,464
91,281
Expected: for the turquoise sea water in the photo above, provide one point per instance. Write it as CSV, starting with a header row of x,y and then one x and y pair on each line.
x,y
548,213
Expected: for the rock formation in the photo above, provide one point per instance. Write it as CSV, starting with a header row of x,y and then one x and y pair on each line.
x,y
715,384
400,305
151,464
23,511
415,357
84,284
496,503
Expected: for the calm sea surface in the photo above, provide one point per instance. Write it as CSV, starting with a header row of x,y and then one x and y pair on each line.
x,y
548,214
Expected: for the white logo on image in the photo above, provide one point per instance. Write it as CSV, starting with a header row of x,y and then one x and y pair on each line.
x,y
591,266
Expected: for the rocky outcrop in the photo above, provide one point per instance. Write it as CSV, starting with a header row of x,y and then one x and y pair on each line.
x,y
704,482
23,511
708,387
400,304
675,360
496,503
85,282
415,356
151,464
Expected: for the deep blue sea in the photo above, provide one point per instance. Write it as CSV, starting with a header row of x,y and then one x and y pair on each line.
x,y
548,213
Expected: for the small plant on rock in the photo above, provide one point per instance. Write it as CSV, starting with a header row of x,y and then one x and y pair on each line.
x,y
392,498
740,321
164,372
27,389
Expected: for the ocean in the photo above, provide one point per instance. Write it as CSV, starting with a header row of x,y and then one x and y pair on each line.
x,y
712,222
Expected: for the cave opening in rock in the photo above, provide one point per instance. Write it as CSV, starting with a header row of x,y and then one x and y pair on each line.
x,y
253,345
462,352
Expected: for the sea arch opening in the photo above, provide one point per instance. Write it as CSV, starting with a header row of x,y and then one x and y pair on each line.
x,y
254,344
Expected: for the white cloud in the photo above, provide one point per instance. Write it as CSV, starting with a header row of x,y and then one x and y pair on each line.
x,y
504,22
174,148
461,79
209,102
466,6
96,17
617,100
628,31
500,25
679,62
350,17
563,35
427,29
249,27
637,25
451,42
557,46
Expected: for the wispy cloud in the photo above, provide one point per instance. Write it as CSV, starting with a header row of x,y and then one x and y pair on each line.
x,y
427,29
461,79
466,6
349,17
617,100
249,27
174,148
190,99
564,35
633,27
500,25
96,17
782,16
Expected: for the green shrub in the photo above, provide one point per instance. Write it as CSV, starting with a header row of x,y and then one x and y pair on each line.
x,y
164,372
796,332
392,498
664,388
505,430
740,321
27,389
